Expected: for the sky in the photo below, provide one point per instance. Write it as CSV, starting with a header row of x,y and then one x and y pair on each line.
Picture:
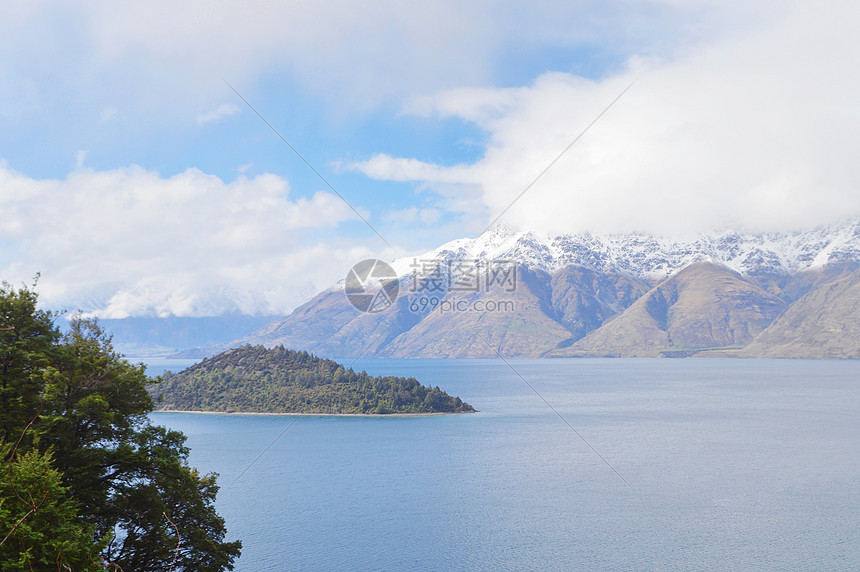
x,y
141,175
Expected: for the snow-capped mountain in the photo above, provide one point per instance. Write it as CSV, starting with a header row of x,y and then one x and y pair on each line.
x,y
652,257
608,295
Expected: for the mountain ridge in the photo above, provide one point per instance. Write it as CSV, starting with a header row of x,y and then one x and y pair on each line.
x,y
571,287
655,257
704,305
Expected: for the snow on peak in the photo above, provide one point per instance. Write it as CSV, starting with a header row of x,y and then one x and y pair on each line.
x,y
652,256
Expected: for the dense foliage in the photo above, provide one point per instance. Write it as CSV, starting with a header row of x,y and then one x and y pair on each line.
x,y
278,380
86,481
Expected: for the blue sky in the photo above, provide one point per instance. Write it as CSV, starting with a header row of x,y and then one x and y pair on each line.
x,y
138,183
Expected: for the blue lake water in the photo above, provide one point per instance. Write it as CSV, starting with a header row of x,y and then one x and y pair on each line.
x,y
732,464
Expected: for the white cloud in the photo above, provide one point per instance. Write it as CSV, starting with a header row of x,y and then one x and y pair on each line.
x,y
758,129
131,242
80,157
744,112
168,56
397,169
108,113
220,112
411,215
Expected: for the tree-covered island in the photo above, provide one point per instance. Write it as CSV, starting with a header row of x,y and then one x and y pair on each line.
x,y
253,379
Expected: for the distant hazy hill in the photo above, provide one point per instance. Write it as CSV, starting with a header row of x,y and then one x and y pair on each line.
x,y
622,295
143,337
278,380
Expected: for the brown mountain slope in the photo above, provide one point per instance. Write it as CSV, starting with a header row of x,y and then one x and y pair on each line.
x,y
809,280
824,323
543,313
330,326
702,306
515,323
583,299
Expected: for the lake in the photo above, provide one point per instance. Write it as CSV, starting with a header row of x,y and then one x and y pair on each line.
x,y
731,464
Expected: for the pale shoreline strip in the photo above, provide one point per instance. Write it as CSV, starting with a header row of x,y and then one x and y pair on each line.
x,y
294,414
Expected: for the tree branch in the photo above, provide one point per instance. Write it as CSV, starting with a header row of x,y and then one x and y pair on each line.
x,y
178,541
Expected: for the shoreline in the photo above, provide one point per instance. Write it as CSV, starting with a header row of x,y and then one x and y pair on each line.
x,y
299,413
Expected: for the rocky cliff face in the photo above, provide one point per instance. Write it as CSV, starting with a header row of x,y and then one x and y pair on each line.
x,y
620,295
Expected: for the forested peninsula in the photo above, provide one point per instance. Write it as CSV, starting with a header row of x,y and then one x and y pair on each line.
x,y
254,379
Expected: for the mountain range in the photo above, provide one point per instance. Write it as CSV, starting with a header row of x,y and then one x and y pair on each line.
x,y
729,293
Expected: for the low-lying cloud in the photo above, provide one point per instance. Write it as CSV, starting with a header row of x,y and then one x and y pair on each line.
x,y
132,242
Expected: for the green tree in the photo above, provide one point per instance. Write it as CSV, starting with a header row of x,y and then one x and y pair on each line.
x,y
27,338
129,480
39,519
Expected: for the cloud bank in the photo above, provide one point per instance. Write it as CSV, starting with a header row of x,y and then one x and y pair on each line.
x,y
166,58
744,113
757,130
129,242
